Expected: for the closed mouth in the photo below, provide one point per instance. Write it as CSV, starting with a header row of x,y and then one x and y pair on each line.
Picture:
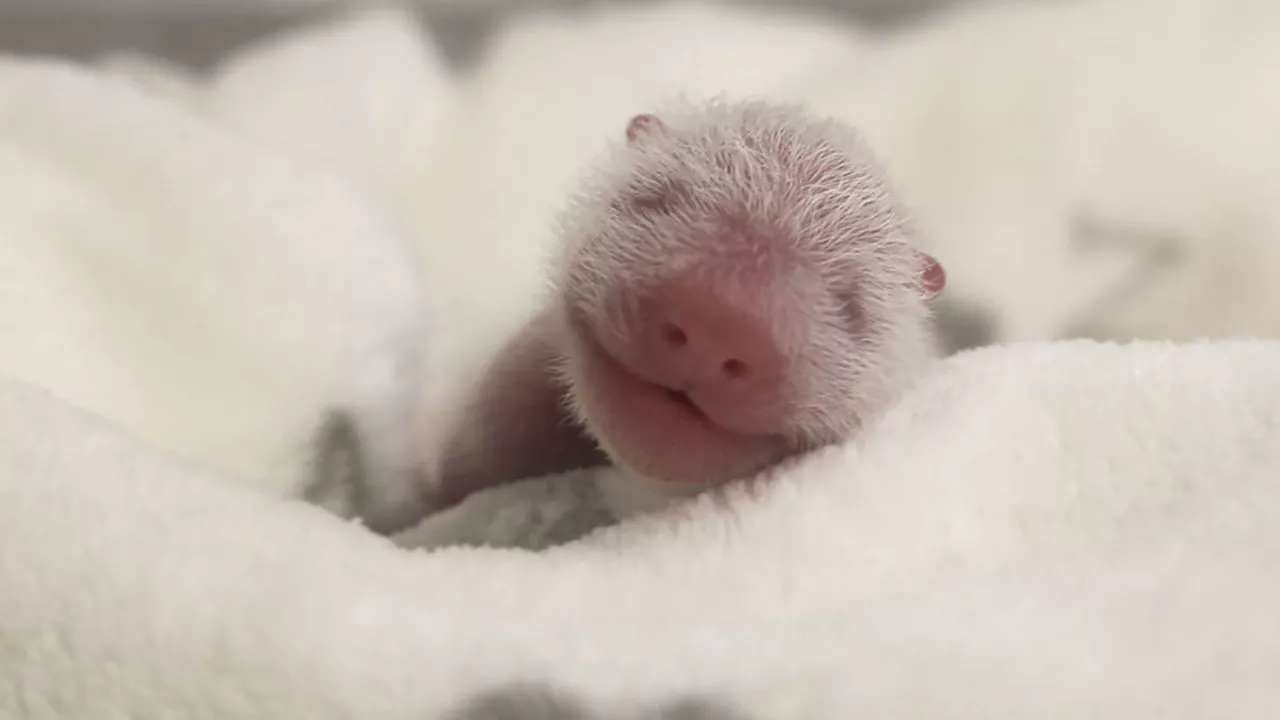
x,y
678,399
681,443
682,399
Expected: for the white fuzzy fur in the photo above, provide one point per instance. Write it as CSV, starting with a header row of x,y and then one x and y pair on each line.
x,y
1040,531
544,102
783,189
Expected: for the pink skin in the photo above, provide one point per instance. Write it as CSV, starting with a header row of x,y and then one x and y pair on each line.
x,y
738,289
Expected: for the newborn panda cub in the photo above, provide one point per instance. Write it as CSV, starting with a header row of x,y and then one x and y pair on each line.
x,y
736,284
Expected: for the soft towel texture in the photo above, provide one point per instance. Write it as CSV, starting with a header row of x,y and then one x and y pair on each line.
x,y
192,270
201,292
1040,531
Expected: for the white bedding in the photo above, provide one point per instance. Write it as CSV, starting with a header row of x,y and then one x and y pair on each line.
x,y
1069,531
193,270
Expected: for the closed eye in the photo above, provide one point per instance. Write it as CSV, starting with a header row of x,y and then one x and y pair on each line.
x,y
652,203
654,198
852,311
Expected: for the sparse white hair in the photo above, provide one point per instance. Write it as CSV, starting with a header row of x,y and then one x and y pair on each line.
x,y
796,192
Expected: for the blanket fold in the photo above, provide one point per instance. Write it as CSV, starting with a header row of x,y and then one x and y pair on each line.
x,y
1040,530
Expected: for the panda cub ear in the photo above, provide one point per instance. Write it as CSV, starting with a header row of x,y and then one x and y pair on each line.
x,y
933,276
644,125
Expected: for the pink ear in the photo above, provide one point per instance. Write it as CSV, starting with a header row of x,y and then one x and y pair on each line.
x,y
934,277
642,125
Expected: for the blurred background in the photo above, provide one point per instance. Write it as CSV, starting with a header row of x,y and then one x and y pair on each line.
x,y
1103,168
200,32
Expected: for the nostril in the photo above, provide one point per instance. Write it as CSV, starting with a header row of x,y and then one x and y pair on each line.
x,y
734,368
674,335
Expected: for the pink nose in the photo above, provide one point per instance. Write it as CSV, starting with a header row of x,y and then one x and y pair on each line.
x,y
723,354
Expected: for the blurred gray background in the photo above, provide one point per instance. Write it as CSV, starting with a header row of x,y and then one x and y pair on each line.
x,y
1110,284
198,32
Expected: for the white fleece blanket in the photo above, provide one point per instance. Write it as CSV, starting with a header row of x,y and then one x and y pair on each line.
x,y
192,270
1071,531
